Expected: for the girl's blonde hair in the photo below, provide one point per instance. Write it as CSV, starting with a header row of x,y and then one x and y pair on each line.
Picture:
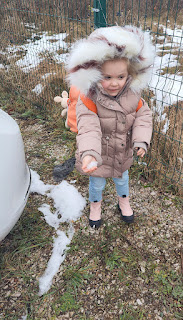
x,y
130,67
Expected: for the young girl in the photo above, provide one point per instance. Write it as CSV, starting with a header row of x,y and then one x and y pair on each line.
x,y
111,67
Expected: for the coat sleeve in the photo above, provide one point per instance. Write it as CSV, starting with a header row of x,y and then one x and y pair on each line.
x,y
89,133
142,127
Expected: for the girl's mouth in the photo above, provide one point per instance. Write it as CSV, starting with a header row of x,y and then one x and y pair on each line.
x,y
113,90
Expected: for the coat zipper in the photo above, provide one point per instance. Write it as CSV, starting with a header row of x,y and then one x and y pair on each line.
x,y
107,138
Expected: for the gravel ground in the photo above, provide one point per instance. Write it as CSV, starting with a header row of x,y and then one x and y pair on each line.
x,y
116,272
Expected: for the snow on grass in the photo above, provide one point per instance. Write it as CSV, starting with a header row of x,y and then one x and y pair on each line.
x,y
46,75
167,88
37,49
68,201
69,204
23,317
51,219
176,34
166,126
37,185
166,61
29,25
60,246
38,89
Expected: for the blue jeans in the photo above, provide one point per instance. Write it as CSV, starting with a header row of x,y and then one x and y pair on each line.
x,y
97,185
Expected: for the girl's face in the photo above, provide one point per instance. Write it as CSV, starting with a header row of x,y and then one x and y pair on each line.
x,y
115,74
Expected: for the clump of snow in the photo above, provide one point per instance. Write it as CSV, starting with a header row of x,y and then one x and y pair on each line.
x,y
92,164
68,203
166,126
37,185
38,89
60,246
46,75
23,317
73,181
51,218
29,25
142,162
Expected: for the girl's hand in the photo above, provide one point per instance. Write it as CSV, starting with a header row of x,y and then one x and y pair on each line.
x,y
140,152
86,162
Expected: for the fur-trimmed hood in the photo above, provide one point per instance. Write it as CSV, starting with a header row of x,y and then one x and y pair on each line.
x,y
87,55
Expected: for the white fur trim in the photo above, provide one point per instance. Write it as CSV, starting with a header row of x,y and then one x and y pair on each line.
x,y
85,79
141,81
105,44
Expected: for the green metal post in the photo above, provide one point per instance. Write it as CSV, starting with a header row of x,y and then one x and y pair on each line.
x,y
99,8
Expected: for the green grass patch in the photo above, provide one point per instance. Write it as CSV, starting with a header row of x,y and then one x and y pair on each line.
x,y
66,303
169,283
128,313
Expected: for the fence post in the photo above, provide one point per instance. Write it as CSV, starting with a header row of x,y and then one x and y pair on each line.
x,y
99,8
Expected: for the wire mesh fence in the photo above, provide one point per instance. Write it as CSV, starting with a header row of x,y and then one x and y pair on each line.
x,y
36,36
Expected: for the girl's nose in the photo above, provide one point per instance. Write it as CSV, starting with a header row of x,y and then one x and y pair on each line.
x,y
114,83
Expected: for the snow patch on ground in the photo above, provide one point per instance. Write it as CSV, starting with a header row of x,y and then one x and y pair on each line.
x,y
69,204
29,25
37,49
167,87
38,89
60,246
46,75
37,185
67,201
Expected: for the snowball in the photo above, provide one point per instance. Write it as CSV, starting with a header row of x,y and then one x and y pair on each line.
x,y
92,164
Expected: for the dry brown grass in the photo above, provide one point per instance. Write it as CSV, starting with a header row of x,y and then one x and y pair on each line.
x,y
13,30
164,159
166,153
57,13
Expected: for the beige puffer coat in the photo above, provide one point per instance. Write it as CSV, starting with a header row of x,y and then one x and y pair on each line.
x,y
112,134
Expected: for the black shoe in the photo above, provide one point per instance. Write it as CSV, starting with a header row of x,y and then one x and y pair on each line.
x,y
61,171
95,224
127,219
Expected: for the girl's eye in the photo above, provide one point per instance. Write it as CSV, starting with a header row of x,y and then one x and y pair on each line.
x,y
121,77
107,78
